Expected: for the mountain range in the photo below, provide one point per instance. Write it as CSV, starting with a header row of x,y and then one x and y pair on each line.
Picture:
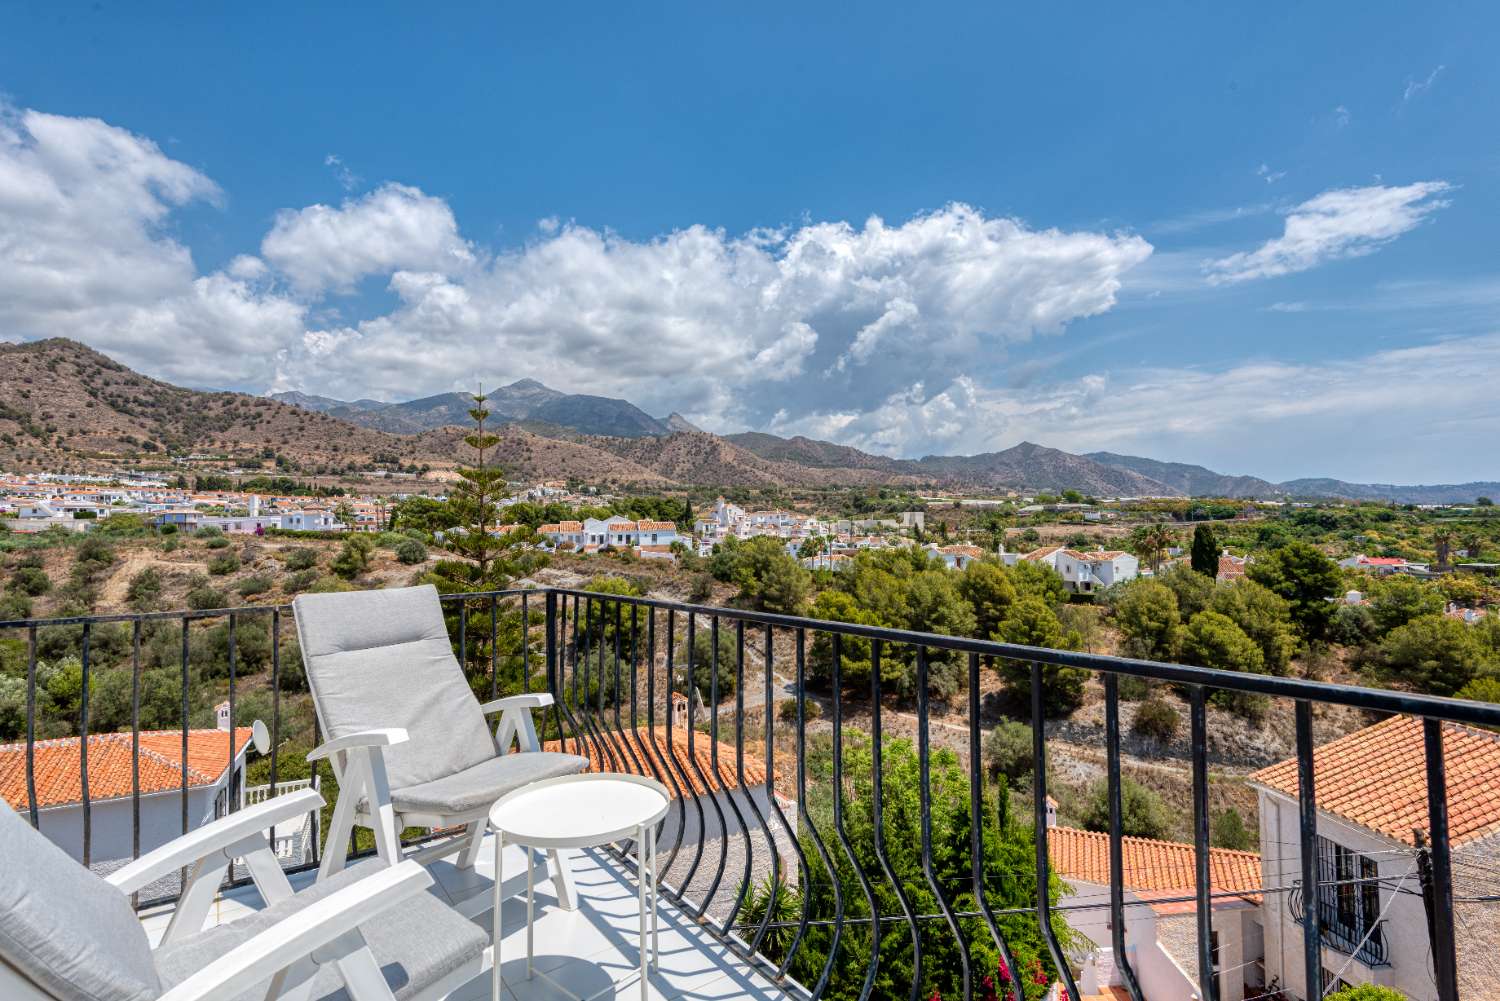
x,y
67,408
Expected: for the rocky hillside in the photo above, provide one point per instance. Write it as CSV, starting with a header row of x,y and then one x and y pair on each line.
x,y
64,406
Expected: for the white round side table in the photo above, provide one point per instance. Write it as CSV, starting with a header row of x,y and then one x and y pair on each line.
x,y
580,811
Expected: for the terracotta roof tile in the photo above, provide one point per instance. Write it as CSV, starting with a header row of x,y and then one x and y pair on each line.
x,y
1152,869
1377,778
644,740
57,765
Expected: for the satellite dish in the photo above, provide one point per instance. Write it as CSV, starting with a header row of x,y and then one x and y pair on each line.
x,y
260,737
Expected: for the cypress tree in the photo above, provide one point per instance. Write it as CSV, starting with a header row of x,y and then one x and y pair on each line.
x,y
1205,551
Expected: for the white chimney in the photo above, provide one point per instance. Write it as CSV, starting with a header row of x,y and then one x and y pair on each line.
x,y
221,715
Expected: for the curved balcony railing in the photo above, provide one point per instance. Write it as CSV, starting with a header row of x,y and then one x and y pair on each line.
x,y
798,861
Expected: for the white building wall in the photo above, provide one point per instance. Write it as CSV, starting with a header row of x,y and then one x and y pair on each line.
x,y
1405,929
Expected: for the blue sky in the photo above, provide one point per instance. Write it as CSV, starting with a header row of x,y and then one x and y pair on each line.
x,y
1263,241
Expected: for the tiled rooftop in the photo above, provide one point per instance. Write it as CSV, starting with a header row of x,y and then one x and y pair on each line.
x,y
1377,778
1152,869
646,740
58,765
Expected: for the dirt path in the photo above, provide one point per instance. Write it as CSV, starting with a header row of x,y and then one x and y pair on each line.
x,y
112,595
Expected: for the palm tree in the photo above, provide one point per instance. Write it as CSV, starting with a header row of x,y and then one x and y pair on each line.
x,y
1442,541
1150,543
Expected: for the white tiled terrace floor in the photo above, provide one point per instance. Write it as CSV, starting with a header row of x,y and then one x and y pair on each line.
x,y
584,950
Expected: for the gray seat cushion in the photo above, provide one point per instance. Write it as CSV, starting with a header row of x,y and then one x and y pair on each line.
x,y
416,944
380,659
478,786
65,929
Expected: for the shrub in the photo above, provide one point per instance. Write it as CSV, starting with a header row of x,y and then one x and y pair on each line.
x,y
411,552
299,581
1142,812
1147,614
1228,830
1367,992
253,585
301,558
31,581
787,711
204,596
354,558
1134,689
702,589
216,542
209,532
1007,750
224,563
144,590
1156,720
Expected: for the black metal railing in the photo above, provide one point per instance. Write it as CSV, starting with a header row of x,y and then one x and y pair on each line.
x,y
795,840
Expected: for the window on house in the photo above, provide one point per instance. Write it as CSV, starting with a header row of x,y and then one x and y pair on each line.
x,y
1348,894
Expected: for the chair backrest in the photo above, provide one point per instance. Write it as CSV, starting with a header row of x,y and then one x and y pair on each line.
x,y
379,659
63,929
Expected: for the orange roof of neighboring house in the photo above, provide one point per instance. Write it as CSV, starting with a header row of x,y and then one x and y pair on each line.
x,y
1097,556
57,765
619,526
1045,551
656,526
646,740
1377,778
1153,869
961,550
562,526
1231,566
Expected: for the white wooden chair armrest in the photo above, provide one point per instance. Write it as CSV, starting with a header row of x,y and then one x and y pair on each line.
x,y
532,700
350,741
221,835
303,933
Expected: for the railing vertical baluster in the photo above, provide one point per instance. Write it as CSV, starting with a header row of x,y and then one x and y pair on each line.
x,y
275,692
1444,954
1207,981
806,820
135,747
838,818
620,736
229,798
495,646
634,740
775,806
692,757
1307,827
877,814
463,635
1039,804
36,818
1116,832
976,826
183,788
83,751
673,766
924,774
525,644
739,774
716,778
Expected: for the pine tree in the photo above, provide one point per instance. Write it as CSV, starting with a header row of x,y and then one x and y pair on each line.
x,y
1205,551
483,559
487,560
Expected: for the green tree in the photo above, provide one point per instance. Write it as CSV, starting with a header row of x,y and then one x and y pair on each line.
x,y
1265,617
987,587
1398,598
1192,589
411,552
1214,640
144,590
1205,551
1435,654
1031,622
354,558
1008,751
1040,581
1146,612
1306,578
1143,814
854,652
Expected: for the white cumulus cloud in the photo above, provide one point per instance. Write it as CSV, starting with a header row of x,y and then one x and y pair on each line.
x,y
393,227
1341,223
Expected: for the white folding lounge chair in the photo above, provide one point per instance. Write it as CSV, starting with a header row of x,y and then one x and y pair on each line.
x,y
407,738
371,933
